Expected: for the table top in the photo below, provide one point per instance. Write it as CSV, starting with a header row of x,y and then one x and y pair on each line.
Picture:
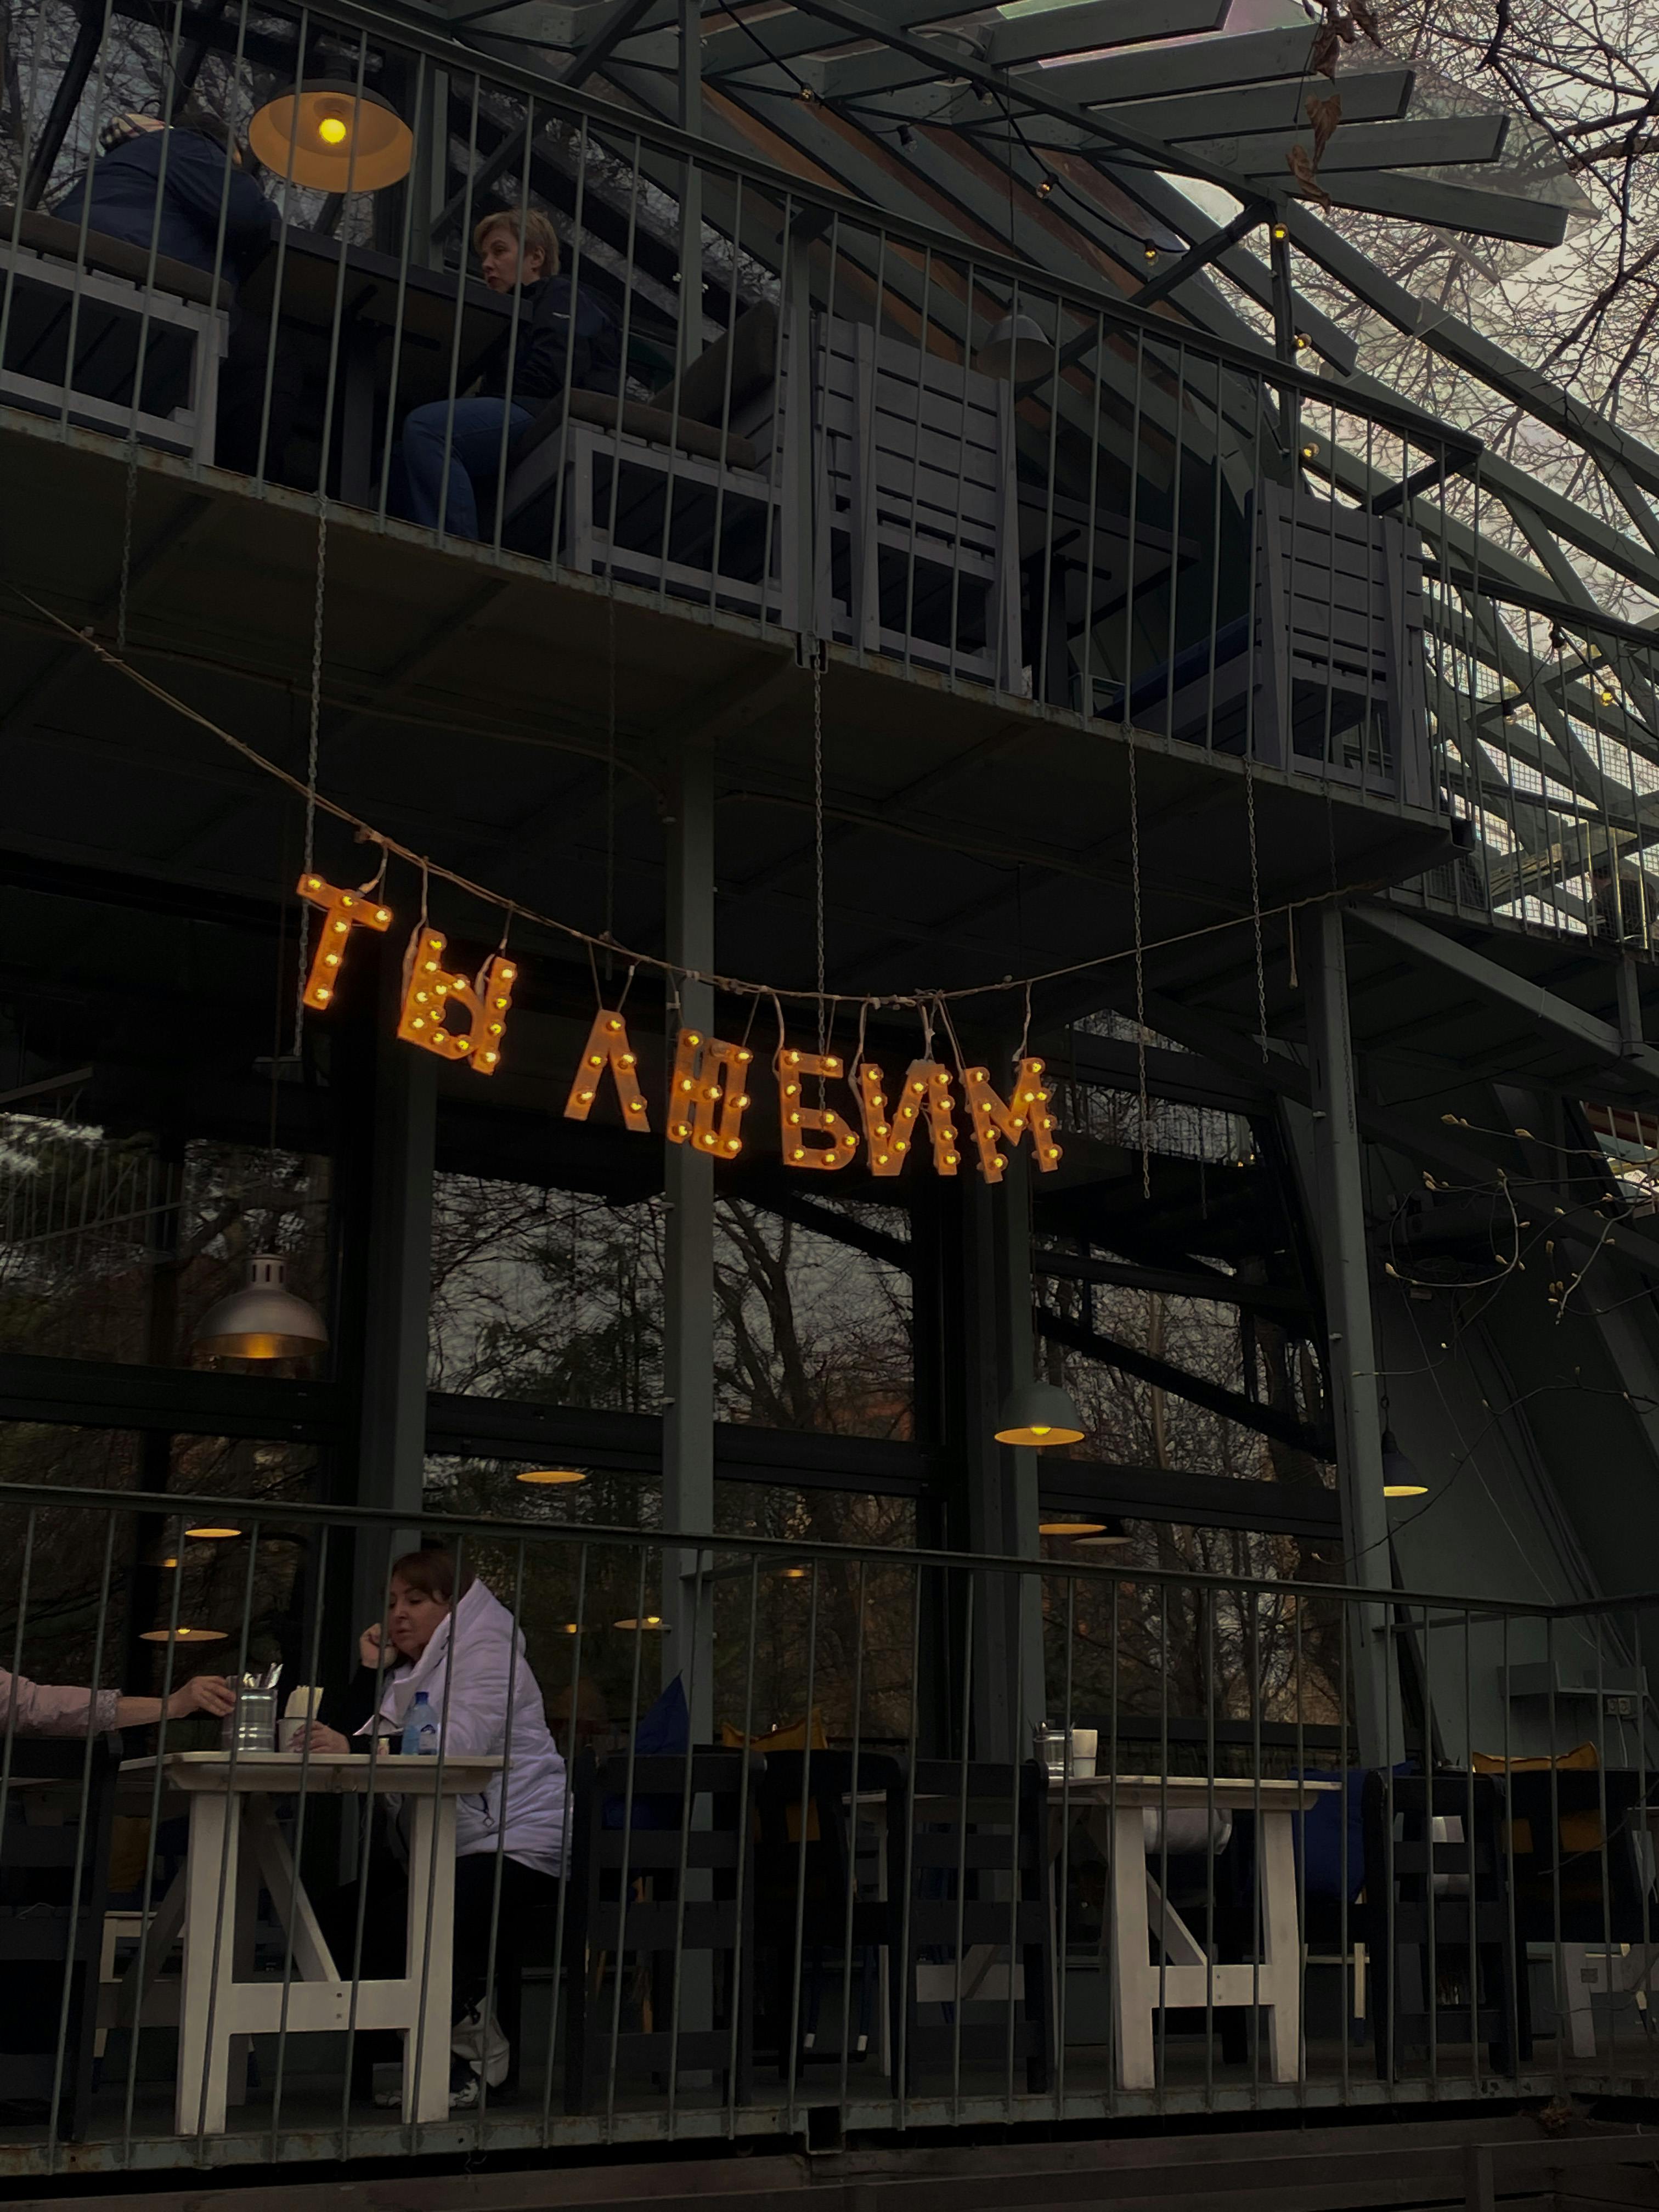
x,y
1232,1793
335,1773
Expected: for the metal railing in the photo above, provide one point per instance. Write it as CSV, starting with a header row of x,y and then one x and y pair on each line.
x,y
831,1838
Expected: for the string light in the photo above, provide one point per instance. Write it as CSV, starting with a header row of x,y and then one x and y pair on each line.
x,y
608,1046
430,990
343,911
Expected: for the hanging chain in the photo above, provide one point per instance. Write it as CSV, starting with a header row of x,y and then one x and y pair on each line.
x,y
129,508
1140,978
610,777
311,764
817,834
1255,906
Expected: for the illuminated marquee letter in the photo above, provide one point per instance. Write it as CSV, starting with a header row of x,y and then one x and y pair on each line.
x,y
1027,1109
342,911
608,1046
925,1094
708,1073
799,1121
430,990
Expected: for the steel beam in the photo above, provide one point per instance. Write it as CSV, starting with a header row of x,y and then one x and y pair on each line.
x,y
1533,1000
688,1490
1351,1336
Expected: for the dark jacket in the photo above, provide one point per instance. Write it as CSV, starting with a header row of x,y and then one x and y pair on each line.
x,y
125,185
543,343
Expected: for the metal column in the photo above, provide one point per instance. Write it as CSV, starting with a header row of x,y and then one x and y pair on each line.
x,y
688,1500
392,1452
690,118
986,1324
1345,1268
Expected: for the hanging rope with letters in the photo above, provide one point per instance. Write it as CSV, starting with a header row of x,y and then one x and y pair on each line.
x,y
464,1019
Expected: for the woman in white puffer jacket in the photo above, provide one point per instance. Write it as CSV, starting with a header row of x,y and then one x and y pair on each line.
x,y
464,1650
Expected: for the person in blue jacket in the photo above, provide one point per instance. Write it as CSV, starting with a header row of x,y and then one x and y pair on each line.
x,y
174,185
447,449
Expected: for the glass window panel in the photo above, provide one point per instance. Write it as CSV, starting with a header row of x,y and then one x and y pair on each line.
x,y
113,1245
67,1582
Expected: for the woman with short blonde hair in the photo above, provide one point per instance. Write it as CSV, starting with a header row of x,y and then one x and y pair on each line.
x,y
530,230
555,337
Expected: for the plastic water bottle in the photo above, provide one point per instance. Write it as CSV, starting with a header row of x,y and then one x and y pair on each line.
x,y
421,1729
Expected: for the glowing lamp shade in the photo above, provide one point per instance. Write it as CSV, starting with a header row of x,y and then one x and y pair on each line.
x,y
1070,1527
181,1636
332,136
1039,1414
550,1476
1399,1477
264,1320
1016,350
212,1531
651,1621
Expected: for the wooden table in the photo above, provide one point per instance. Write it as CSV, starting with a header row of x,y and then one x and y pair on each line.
x,y
230,1856
1113,1809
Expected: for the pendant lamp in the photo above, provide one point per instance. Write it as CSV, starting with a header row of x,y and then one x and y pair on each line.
x,y
332,136
1112,1532
1015,351
1039,1414
1400,1476
264,1320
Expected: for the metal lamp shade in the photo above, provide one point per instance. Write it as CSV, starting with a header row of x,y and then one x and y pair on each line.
x,y
1039,1414
1016,350
1400,1476
330,135
264,1320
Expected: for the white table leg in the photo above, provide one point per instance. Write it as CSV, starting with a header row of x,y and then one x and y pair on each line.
x,y
246,1908
426,2045
1281,1947
208,1966
1135,1985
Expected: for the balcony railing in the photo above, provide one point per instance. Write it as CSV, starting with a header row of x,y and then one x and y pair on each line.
x,y
894,1838
788,408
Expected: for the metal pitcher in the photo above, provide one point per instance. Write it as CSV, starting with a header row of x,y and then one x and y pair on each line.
x,y
251,1725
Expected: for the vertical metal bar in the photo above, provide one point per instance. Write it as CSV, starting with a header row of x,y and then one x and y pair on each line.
x,y
221,1935
1348,1962
498,1877
1134,534
302,40
459,317
504,441
965,1724
1062,1901
1014,1898
724,464
319,1577
1259,1916
382,1666
405,254
1165,1595
147,1894
632,1757
852,1836
627,332
89,1995
578,220
1517,1961
1113,2051
1468,1832
565,1842
682,1871
905,1968
915,480
793,2045
1086,698
734,2009
1211,1688
1555,1854
337,320
1429,1779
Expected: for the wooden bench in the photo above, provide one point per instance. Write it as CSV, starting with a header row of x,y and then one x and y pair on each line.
x,y
98,294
